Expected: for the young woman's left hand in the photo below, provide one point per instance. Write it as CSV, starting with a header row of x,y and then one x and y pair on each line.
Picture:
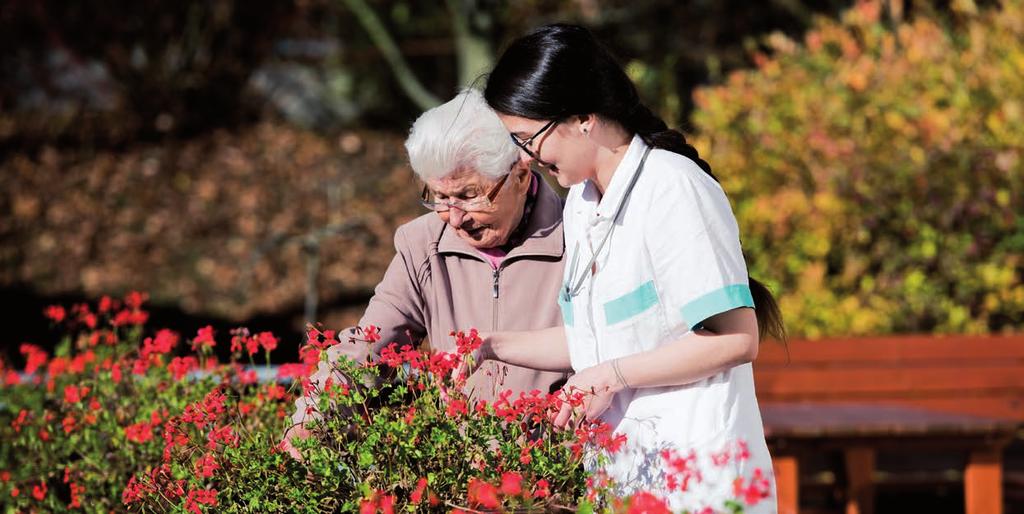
x,y
598,385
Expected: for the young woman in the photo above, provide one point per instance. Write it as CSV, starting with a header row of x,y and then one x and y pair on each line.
x,y
660,319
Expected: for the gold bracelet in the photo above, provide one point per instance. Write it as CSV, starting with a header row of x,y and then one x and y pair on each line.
x,y
618,374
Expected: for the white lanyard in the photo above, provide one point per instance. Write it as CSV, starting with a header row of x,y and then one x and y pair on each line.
x,y
569,289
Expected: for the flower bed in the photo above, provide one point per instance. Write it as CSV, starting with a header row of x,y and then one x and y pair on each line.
x,y
120,420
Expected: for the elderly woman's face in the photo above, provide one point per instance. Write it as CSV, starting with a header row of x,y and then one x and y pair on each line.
x,y
490,227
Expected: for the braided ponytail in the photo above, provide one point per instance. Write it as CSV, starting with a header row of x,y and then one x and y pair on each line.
x,y
656,133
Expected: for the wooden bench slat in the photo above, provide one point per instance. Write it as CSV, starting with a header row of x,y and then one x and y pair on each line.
x,y
894,349
1009,407
826,419
887,380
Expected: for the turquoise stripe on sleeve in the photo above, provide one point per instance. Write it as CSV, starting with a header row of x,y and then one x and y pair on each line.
x,y
716,302
631,304
565,304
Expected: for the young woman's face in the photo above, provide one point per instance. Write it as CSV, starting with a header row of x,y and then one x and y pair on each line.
x,y
562,149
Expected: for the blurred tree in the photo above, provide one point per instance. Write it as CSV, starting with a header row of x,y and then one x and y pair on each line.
x,y
123,70
115,72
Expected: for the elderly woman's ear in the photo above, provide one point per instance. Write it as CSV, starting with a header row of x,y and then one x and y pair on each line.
x,y
521,174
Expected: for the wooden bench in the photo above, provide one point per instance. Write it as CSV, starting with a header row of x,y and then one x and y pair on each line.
x,y
859,397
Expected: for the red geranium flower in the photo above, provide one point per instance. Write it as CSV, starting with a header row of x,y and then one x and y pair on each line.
x,y
511,483
647,503
483,494
204,338
39,491
55,313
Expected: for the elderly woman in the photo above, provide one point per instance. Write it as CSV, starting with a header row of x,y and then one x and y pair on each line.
x,y
489,250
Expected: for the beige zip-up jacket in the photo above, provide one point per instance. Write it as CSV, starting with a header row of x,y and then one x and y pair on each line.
x,y
437,283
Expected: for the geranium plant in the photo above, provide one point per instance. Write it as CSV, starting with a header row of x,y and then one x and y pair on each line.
x,y
117,420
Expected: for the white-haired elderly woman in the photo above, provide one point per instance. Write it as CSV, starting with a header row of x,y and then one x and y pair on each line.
x,y
489,256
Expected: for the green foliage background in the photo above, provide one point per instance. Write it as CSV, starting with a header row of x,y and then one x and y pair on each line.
x,y
875,170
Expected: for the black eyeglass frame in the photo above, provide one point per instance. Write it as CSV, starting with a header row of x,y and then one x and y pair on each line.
x,y
524,144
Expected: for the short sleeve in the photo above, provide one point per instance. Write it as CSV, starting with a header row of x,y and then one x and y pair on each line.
x,y
693,244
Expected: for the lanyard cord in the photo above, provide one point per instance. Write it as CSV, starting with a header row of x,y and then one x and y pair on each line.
x,y
571,289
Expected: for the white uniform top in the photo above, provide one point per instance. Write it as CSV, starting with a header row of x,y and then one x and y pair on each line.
x,y
672,261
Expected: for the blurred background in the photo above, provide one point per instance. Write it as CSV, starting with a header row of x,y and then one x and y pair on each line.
x,y
242,161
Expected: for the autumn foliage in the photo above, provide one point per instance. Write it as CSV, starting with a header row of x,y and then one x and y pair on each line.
x,y
876,170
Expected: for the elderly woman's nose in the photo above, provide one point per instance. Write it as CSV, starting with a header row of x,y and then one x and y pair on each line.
x,y
455,216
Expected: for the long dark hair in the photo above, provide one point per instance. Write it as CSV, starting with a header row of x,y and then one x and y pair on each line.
x,y
561,70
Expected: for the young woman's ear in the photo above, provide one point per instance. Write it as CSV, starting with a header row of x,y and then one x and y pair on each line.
x,y
586,123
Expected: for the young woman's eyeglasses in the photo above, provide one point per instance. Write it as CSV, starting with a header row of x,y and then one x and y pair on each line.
x,y
476,204
525,144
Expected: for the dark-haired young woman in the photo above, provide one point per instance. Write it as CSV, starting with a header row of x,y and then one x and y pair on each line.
x,y
661,319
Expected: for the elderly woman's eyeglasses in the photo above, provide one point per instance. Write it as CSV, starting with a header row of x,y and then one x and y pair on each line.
x,y
525,144
476,204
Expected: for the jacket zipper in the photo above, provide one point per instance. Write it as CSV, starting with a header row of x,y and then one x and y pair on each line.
x,y
494,288
495,275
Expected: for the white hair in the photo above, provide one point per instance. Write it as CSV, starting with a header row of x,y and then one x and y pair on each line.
x,y
462,134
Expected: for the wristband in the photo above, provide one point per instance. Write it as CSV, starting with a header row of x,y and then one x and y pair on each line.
x,y
618,374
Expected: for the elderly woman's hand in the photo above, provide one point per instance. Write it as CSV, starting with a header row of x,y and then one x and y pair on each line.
x,y
598,385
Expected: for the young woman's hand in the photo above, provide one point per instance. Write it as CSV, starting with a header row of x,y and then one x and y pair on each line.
x,y
481,354
598,385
